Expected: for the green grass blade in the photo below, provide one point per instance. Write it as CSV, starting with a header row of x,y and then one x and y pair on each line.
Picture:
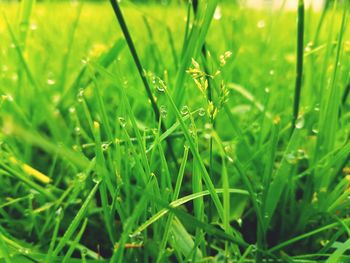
x,y
73,246
75,222
180,202
300,58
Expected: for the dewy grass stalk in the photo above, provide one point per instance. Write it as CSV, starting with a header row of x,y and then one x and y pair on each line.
x,y
140,69
300,59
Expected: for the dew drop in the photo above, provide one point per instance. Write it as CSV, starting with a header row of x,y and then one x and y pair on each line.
x,y
254,248
96,179
160,88
105,146
291,158
154,131
208,127
80,96
301,154
192,130
163,111
315,129
8,97
309,46
76,148
122,121
24,251
218,13
300,122
85,61
58,211
72,110
51,81
317,107
184,110
186,145
261,24
201,112
77,130
207,130
33,26
81,177
14,77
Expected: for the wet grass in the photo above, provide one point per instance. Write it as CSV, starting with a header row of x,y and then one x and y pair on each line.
x,y
123,139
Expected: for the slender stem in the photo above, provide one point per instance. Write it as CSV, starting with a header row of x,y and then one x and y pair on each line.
x,y
209,94
300,58
137,61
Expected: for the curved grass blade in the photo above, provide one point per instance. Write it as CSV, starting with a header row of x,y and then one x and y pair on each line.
x,y
182,201
308,234
75,222
73,245
206,177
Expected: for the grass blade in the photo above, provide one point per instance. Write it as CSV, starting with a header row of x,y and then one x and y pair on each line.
x,y
300,58
75,222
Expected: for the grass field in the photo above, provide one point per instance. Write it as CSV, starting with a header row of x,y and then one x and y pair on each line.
x,y
220,136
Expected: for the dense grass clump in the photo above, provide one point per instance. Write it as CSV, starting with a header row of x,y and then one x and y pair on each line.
x,y
167,133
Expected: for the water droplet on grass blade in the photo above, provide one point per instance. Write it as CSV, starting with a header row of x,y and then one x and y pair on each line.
x,y
105,146
77,130
76,148
300,122
81,177
122,121
33,26
261,24
201,112
14,77
72,110
217,13
317,107
51,82
193,131
163,111
58,212
301,154
80,96
315,128
184,110
85,61
96,179
160,88
291,158
24,251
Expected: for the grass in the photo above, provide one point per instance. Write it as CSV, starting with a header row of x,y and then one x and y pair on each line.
x,y
160,133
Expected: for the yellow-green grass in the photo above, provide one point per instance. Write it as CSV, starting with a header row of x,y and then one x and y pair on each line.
x,y
89,173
